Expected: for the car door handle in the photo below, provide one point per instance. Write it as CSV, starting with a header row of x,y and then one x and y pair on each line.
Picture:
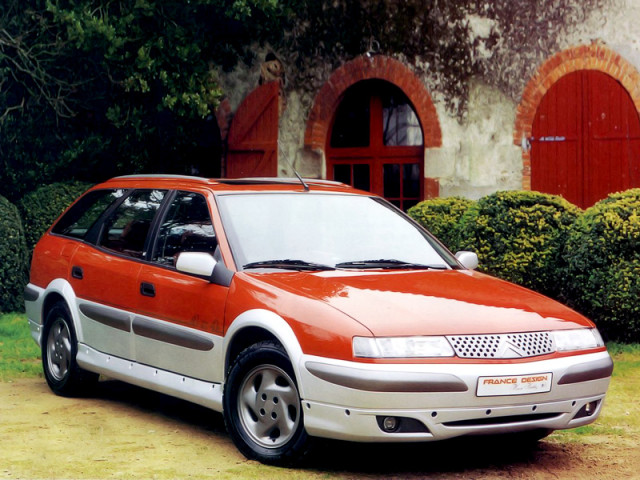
x,y
147,289
77,272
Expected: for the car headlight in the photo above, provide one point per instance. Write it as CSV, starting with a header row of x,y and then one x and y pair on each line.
x,y
401,347
580,339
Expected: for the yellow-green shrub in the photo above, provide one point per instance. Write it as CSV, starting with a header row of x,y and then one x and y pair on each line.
x,y
441,216
602,256
519,236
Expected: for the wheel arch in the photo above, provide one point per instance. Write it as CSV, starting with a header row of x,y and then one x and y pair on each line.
x,y
258,325
57,291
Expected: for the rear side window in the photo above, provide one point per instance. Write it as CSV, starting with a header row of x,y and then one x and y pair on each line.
x,y
187,227
85,212
126,229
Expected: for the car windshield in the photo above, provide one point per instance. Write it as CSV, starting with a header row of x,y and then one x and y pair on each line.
x,y
314,231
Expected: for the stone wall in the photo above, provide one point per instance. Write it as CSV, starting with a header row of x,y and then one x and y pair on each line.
x,y
480,150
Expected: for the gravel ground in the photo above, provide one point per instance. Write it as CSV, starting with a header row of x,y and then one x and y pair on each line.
x,y
122,431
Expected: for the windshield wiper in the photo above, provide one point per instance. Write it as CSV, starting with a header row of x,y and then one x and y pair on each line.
x,y
288,264
388,263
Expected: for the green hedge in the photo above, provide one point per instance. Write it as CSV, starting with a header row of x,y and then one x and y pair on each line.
x,y
13,258
602,257
441,216
519,236
42,206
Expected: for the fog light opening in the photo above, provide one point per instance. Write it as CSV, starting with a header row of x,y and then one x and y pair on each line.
x,y
390,424
395,425
588,409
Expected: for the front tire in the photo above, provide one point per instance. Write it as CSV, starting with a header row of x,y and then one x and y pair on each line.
x,y
262,408
59,349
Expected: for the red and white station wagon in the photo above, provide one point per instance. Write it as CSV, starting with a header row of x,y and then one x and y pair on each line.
x,y
302,309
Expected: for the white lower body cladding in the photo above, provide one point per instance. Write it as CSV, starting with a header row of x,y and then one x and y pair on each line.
x,y
440,401
347,400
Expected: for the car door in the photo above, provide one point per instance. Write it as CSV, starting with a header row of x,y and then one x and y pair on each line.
x,y
179,321
104,275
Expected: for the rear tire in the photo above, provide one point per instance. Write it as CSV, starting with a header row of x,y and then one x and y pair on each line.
x,y
59,349
262,408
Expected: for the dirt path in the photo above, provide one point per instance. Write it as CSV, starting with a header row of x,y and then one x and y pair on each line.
x,y
127,432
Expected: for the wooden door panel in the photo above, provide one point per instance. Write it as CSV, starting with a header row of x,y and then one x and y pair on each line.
x,y
586,136
555,147
253,135
557,174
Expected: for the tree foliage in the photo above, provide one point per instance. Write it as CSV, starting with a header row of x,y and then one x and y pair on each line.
x,y
94,88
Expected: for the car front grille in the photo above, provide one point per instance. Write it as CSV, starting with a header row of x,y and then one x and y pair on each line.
x,y
509,345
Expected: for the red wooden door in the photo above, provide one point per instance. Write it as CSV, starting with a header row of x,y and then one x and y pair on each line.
x,y
253,135
376,144
586,139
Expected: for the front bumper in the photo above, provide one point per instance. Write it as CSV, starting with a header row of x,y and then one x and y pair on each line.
x,y
348,400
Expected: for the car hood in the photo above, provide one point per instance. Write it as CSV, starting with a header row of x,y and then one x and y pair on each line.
x,y
451,302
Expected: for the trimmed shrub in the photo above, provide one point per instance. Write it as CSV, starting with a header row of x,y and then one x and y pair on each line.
x,y
519,236
602,257
441,216
40,208
13,258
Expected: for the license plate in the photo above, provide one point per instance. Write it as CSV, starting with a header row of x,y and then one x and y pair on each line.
x,y
514,385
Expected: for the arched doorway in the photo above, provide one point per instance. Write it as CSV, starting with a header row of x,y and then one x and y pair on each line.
x,y
585,139
376,143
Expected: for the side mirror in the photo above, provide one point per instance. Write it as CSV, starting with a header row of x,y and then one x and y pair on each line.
x,y
468,259
197,263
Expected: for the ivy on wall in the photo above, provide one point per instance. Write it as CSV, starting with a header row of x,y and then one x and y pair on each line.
x,y
447,41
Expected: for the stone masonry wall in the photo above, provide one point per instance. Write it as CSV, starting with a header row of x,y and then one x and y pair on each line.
x,y
479,149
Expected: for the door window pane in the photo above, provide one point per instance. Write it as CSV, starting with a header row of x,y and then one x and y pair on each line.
x,y
410,180
361,176
126,229
401,126
187,227
351,125
342,173
391,180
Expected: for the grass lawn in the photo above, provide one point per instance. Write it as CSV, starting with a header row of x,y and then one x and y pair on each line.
x,y
19,354
20,358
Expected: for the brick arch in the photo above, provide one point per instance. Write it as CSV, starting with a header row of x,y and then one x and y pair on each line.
x,y
366,68
595,56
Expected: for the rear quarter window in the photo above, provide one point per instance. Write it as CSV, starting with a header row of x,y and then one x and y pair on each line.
x,y
126,230
79,219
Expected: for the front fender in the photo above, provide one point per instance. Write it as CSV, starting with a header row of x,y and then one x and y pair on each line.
x,y
272,323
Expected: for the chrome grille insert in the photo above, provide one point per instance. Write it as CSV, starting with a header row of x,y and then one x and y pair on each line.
x,y
509,345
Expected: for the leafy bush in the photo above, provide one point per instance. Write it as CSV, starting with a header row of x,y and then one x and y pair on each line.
x,y
602,257
42,206
441,216
13,258
519,236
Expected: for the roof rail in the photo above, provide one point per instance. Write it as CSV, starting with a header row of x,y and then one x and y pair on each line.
x,y
274,181
160,175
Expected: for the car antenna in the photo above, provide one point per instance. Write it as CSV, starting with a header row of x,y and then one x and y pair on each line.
x,y
304,184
